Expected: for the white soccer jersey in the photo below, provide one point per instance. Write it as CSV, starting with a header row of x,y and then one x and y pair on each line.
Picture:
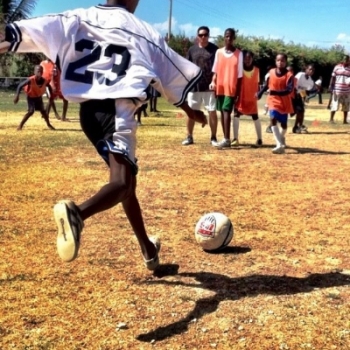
x,y
105,52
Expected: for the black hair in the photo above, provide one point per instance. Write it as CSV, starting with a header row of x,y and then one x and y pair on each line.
x,y
248,52
282,54
232,31
203,28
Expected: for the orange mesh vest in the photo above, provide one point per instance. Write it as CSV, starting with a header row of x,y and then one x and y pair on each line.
x,y
281,104
248,102
33,89
227,73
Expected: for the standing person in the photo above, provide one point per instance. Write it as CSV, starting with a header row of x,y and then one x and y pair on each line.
x,y
226,82
203,54
108,58
340,89
247,103
304,83
154,99
35,88
57,93
280,84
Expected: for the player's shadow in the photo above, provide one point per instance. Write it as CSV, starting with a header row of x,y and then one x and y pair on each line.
x,y
226,288
304,150
328,133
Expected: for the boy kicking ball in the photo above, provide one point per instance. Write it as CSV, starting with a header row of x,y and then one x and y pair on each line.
x,y
107,58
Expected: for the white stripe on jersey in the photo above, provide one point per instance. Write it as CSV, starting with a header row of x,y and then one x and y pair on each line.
x,y
100,60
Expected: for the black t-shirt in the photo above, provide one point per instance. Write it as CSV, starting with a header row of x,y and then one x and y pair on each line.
x,y
204,58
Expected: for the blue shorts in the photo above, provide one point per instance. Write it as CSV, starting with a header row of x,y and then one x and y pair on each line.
x,y
282,118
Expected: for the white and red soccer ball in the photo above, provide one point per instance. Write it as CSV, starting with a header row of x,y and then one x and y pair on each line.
x,y
214,231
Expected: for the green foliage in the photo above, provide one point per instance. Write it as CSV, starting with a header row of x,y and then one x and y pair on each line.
x,y
265,51
25,63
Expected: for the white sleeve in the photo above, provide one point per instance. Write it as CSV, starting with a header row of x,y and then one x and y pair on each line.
x,y
40,34
175,75
240,65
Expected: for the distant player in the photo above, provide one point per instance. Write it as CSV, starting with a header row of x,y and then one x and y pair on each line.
x,y
280,85
107,58
35,88
57,93
304,83
226,82
247,103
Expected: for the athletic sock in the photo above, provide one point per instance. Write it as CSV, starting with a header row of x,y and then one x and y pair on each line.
x,y
277,135
257,125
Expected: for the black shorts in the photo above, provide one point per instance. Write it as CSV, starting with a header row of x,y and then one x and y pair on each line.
x,y
97,120
298,104
35,104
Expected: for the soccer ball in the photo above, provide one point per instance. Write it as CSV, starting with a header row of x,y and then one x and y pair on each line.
x,y
213,231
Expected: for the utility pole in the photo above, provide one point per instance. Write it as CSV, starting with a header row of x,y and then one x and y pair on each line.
x,y
170,15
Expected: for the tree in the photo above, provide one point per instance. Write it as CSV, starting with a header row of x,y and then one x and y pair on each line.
x,y
13,10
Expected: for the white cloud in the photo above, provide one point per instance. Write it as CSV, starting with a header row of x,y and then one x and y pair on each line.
x,y
164,26
343,37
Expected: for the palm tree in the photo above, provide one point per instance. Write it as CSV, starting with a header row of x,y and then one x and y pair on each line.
x,y
10,11
14,10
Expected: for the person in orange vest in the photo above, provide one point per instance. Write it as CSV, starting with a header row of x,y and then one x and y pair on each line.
x,y
281,87
247,103
35,88
57,93
226,82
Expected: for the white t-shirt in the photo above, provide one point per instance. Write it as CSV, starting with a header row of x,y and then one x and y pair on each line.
x,y
304,83
106,52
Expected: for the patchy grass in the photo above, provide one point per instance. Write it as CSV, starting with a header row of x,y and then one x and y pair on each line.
x,y
283,283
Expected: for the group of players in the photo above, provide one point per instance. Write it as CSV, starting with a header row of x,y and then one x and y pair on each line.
x,y
230,84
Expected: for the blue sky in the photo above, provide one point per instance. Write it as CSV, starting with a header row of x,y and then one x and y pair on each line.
x,y
311,22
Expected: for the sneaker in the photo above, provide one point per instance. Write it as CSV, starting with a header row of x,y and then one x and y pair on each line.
x,y
224,143
303,129
213,141
259,143
269,130
70,225
296,130
152,264
283,141
139,124
51,127
278,150
235,143
332,121
187,141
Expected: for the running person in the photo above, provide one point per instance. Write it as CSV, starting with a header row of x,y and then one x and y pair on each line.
x,y
108,58
203,55
35,88
281,85
227,79
247,103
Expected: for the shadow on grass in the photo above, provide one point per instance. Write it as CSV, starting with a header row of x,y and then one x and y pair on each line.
x,y
226,288
303,150
328,133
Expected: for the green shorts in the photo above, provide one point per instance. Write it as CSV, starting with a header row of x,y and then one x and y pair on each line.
x,y
224,103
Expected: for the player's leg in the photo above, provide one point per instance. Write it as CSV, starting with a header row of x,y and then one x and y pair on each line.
x,y
224,104
39,106
30,112
209,101
275,118
64,110
334,107
235,141
194,102
257,125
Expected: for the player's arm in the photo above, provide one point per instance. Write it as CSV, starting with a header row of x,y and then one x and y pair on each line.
x,y
4,46
264,88
19,89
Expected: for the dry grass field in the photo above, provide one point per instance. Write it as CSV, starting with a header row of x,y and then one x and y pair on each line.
x,y
283,283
